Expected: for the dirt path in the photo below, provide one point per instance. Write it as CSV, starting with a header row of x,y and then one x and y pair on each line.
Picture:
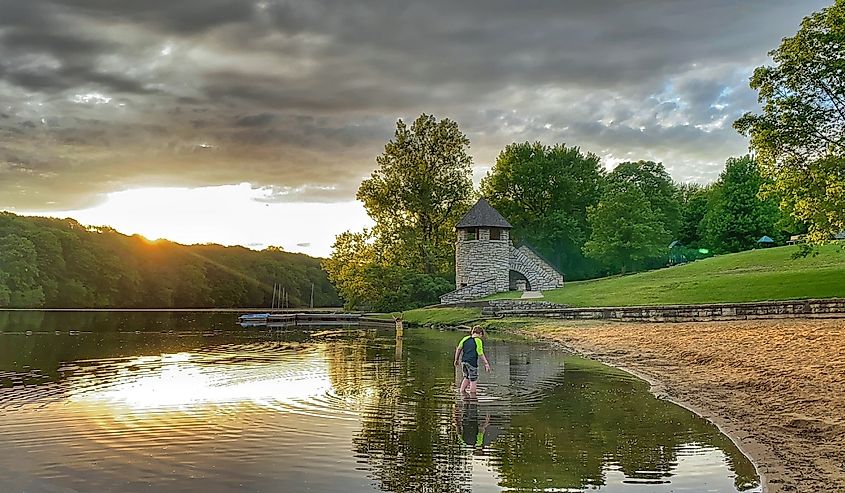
x,y
777,387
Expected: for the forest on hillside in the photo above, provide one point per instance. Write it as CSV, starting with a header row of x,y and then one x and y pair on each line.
x,y
59,263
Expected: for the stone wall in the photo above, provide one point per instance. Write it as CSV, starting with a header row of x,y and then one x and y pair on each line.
x,y
470,292
482,259
494,307
540,275
830,308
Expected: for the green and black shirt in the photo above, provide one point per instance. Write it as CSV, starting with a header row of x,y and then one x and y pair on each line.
x,y
471,348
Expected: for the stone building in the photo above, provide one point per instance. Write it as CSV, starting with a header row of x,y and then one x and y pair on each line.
x,y
486,261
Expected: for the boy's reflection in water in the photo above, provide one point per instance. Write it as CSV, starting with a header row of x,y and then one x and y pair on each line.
x,y
472,430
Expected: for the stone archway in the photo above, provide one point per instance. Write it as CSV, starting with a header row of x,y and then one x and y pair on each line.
x,y
535,270
514,279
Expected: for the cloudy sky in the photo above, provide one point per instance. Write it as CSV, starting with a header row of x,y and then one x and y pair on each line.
x,y
253,122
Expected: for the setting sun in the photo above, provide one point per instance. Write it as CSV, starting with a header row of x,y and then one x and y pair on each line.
x,y
229,215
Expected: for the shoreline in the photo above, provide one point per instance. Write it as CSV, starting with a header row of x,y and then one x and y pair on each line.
x,y
775,388
657,388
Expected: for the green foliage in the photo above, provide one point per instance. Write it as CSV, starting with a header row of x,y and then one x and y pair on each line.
x,y
693,199
400,288
5,294
754,275
627,233
420,190
657,186
19,270
545,191
364,281
736,217
799,138
57,263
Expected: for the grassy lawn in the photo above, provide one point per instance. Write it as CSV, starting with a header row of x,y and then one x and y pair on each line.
x,y
755,275
445,316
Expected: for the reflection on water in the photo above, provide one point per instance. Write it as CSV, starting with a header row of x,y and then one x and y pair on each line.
x,y
184,402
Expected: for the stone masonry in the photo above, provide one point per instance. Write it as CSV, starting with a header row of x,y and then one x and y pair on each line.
x,y
485,257
823,308
482,259
541,276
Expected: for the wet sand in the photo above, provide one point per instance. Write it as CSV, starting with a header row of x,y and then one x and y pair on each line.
x,y
776,387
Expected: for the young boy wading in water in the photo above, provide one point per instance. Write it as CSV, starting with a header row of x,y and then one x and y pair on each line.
x,y
466,354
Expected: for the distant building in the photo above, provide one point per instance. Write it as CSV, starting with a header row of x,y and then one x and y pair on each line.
x,y
486,262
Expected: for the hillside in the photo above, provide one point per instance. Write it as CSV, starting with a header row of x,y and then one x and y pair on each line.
x,y
59,263
755,275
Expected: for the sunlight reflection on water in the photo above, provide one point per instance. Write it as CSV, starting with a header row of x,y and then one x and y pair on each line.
x,y
349,411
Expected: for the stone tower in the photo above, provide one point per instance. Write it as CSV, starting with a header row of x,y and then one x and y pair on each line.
x,y
482,251
485,259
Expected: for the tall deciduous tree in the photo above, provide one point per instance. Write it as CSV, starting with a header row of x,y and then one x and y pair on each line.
x,y
419,191
545,191
656,185
737,217
799,138
626,231
693,199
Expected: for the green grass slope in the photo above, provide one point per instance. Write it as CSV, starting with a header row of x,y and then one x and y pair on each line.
x,y
756,275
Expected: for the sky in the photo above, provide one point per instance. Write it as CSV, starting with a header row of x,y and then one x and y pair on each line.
x,y
253,122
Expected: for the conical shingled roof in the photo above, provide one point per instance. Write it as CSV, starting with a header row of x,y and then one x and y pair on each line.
x,y
483,215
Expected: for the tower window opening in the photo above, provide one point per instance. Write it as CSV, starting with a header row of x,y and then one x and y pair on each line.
x,y
472,234
495,233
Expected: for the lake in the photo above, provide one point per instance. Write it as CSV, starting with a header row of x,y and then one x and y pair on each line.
x,y
190,402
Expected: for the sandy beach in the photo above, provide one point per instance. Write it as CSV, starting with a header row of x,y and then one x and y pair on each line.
x,y
777,387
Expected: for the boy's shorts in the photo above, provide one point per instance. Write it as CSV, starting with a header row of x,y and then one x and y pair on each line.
x,y
470,372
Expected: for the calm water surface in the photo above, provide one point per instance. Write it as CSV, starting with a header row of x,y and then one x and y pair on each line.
x,y
161,402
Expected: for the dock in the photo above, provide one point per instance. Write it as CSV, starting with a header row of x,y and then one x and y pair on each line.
x,y
311,319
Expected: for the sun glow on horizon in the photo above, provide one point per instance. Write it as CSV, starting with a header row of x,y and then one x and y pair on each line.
x,y
227,214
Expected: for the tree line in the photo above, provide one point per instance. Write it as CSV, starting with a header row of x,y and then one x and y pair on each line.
x,y
590,222
59,263
586,221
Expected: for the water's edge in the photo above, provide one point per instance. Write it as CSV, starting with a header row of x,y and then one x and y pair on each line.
x,y
751,449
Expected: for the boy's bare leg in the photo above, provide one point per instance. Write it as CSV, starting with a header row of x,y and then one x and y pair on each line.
x,y
473,387
464,383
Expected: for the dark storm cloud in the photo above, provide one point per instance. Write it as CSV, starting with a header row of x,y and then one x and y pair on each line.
x,y
297,97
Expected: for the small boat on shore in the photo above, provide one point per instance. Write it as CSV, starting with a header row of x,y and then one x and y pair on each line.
x,y
253,319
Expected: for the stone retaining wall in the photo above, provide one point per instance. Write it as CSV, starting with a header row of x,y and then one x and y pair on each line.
x,y
829,308
495,307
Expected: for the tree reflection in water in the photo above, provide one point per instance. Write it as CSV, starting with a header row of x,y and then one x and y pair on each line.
x,y
546,419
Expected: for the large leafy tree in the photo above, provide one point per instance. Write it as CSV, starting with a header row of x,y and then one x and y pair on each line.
x,y
737,217
799,138
657,186
694,199
627,233
545,191
420,189
365,280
